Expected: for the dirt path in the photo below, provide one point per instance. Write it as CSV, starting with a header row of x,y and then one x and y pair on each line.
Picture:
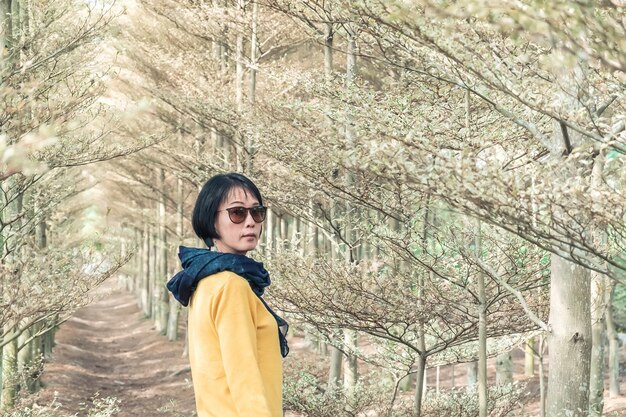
x,y
109,348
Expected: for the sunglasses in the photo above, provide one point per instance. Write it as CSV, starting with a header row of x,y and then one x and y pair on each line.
x,y
238,215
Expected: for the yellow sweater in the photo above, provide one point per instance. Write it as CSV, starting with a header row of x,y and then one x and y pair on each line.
x,y
234,350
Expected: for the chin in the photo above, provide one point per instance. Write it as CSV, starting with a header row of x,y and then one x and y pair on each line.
x,y
248,248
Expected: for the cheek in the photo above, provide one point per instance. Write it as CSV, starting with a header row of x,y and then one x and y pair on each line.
x,y
220,227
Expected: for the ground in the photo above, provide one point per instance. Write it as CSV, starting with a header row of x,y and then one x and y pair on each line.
x,y
109,349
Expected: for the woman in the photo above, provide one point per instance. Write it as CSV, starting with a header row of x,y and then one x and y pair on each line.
x,y
235,340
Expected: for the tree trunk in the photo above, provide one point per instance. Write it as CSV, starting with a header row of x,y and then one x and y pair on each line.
x,y
38,344
239,67
153,271
472,374
614,390
48,339
283,231
37,355
598,308
146,301
12,244
542,382
482,338
504,369
172,324
250,151
6,32
334,373
569,342
529,357
350,370
600,298
350,374
25,358
141,266
452,376
161,275
420,385
9,371
269,233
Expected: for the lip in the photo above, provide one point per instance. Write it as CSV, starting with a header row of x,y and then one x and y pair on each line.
x,y
250,235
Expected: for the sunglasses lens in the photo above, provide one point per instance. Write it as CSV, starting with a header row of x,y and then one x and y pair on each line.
x,y
237,214
258,214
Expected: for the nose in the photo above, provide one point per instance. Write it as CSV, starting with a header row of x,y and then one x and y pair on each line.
x,y
249,222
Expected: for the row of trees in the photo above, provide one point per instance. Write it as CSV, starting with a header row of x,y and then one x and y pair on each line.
x,y
54,121
440,177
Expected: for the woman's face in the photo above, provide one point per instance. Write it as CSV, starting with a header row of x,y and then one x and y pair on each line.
x,y
237,238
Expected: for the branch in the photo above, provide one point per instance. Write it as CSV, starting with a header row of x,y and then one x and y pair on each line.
x,y
533,317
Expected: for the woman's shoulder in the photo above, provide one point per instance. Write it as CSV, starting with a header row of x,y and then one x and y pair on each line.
x,y
220,281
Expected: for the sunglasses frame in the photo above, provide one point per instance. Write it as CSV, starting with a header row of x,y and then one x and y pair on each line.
x,y
248,210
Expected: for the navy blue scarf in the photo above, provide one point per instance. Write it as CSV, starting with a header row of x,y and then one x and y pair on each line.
x,y
200,263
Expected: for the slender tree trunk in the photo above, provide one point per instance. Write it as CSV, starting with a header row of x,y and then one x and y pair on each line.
x,y
504,369
598,307
239,79
12,246
269,233
161,246
482,340
420,385
25,356
172,325
153,271
614,390
141,266
250,151
6,42
350,372
296,235
452,376
9,371
146,301
37,365
239,64
38,352
336,356
542,377
336,363
600,299
529,357
472,374
6,31
48,339
282,224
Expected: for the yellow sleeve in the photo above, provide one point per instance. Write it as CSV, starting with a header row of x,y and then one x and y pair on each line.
x,y
234,312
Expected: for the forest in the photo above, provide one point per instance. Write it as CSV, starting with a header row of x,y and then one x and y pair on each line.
x,y
445,183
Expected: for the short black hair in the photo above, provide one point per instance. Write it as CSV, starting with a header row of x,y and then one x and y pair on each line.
x,y
212,194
